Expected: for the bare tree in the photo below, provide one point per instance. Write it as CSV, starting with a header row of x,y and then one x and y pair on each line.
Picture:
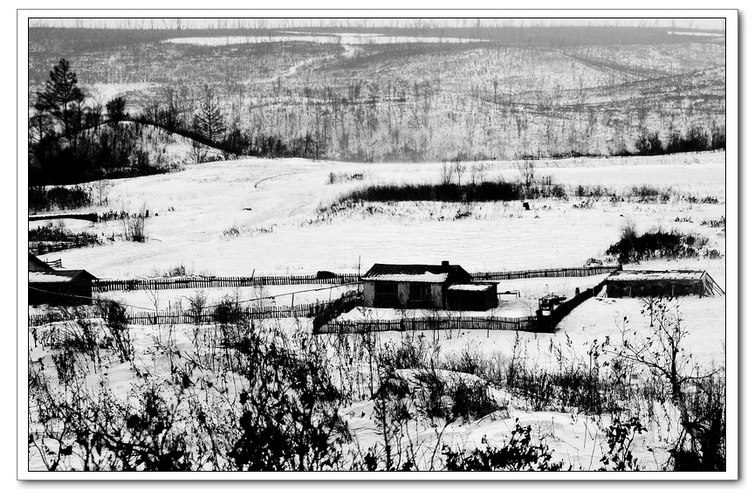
x,y
102,188
527,177
661,353
477,174
446,174
198,152
459,168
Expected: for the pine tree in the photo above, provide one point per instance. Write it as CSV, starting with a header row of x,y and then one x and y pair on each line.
x,y
116,109
62,98
209,117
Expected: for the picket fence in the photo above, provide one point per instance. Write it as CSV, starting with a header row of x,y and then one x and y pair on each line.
x,y
529,324
209,315
178,317
581,271
108,285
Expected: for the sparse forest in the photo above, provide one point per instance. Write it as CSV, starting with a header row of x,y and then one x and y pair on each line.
x,y
483,97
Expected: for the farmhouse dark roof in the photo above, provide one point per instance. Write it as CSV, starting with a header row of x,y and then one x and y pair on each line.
x,y
417,273
36,264
59,276
76,274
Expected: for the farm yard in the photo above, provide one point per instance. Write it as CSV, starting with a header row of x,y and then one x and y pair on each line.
x,y
187,235
233,322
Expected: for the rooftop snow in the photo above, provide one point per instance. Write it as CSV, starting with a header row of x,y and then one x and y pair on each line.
x,y
40,277
401,277
470,287
631,276
416,273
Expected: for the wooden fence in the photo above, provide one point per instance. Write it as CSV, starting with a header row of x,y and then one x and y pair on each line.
x,y
566,307
317,311
581,271
207,317
529,324
108,285
177,317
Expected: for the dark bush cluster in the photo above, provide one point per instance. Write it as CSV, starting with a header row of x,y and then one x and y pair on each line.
x,y
518,454
650,193
46,199
447,191
696,139
454,397
442,192
228,311
53,235
107,151
570,387
656,244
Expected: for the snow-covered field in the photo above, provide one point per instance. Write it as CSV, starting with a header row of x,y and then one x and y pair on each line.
x,y
278,295
272,205
236,217
261,216
594,320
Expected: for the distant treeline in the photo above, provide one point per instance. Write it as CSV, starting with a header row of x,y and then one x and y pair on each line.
x,y
237,141
72,139
695,140
106,151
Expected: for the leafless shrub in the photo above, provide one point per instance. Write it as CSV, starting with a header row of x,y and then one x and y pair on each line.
x,y
133,226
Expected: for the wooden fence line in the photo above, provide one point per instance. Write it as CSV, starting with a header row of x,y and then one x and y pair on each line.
x,y
108,285
166,317
568,306
529,324
580,271
210,315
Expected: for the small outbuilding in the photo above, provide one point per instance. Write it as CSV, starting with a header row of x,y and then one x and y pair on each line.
x,y
443,286
60,287
36,264
479,296
661,283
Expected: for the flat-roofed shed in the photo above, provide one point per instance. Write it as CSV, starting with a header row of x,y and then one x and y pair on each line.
x,y
661,283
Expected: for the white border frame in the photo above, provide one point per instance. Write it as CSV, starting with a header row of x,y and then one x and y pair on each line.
x,y
733,343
